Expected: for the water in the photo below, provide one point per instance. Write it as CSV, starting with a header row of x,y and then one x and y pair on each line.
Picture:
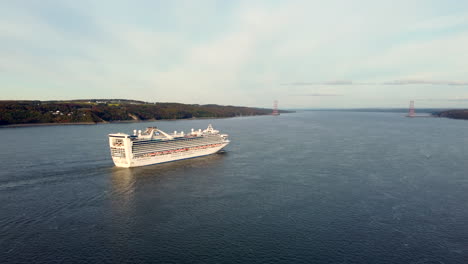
x,y
310,187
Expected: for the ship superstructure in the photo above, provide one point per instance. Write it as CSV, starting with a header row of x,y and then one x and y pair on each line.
x,y
154,146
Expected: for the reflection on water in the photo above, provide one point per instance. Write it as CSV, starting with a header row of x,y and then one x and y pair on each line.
x,y
123,179
126,180
140,191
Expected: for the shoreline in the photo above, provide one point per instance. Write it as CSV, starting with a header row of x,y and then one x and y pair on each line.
x,y
49,124
112,122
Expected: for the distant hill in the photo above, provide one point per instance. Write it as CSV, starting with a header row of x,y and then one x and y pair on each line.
x,y
112,110
455,114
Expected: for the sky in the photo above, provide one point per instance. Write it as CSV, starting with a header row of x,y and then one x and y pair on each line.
x,y
305,54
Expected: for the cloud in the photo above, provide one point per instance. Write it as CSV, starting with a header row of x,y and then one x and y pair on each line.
x,y
394,82
317,94
432,82
320,83
452,99
459,99
440,23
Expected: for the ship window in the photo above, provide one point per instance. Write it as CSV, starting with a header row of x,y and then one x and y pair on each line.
x,y
118,142
118,152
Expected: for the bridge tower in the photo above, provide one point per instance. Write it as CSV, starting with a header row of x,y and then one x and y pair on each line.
x,y
275,108
411,112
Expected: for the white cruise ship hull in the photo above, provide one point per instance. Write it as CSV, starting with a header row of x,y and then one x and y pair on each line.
x,y
174,156
154,146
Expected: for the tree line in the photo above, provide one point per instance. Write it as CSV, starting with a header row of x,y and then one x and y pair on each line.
x,y
95,111
455,114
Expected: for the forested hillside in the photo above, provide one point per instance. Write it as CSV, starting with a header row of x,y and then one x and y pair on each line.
x,y
108,110
455,114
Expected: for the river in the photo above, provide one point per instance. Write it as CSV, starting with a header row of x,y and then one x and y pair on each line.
x,y
308,187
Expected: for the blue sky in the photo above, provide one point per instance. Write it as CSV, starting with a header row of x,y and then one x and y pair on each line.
x,y
308,53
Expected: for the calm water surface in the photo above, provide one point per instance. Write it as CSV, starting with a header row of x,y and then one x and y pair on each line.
x,y
310,187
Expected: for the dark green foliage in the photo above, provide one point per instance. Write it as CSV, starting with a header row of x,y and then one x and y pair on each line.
x,y
105,110
456,114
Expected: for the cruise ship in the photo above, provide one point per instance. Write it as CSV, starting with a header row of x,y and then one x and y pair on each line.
x,y
154,146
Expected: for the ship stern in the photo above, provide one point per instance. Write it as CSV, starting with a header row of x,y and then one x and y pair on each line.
x,y
120,149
